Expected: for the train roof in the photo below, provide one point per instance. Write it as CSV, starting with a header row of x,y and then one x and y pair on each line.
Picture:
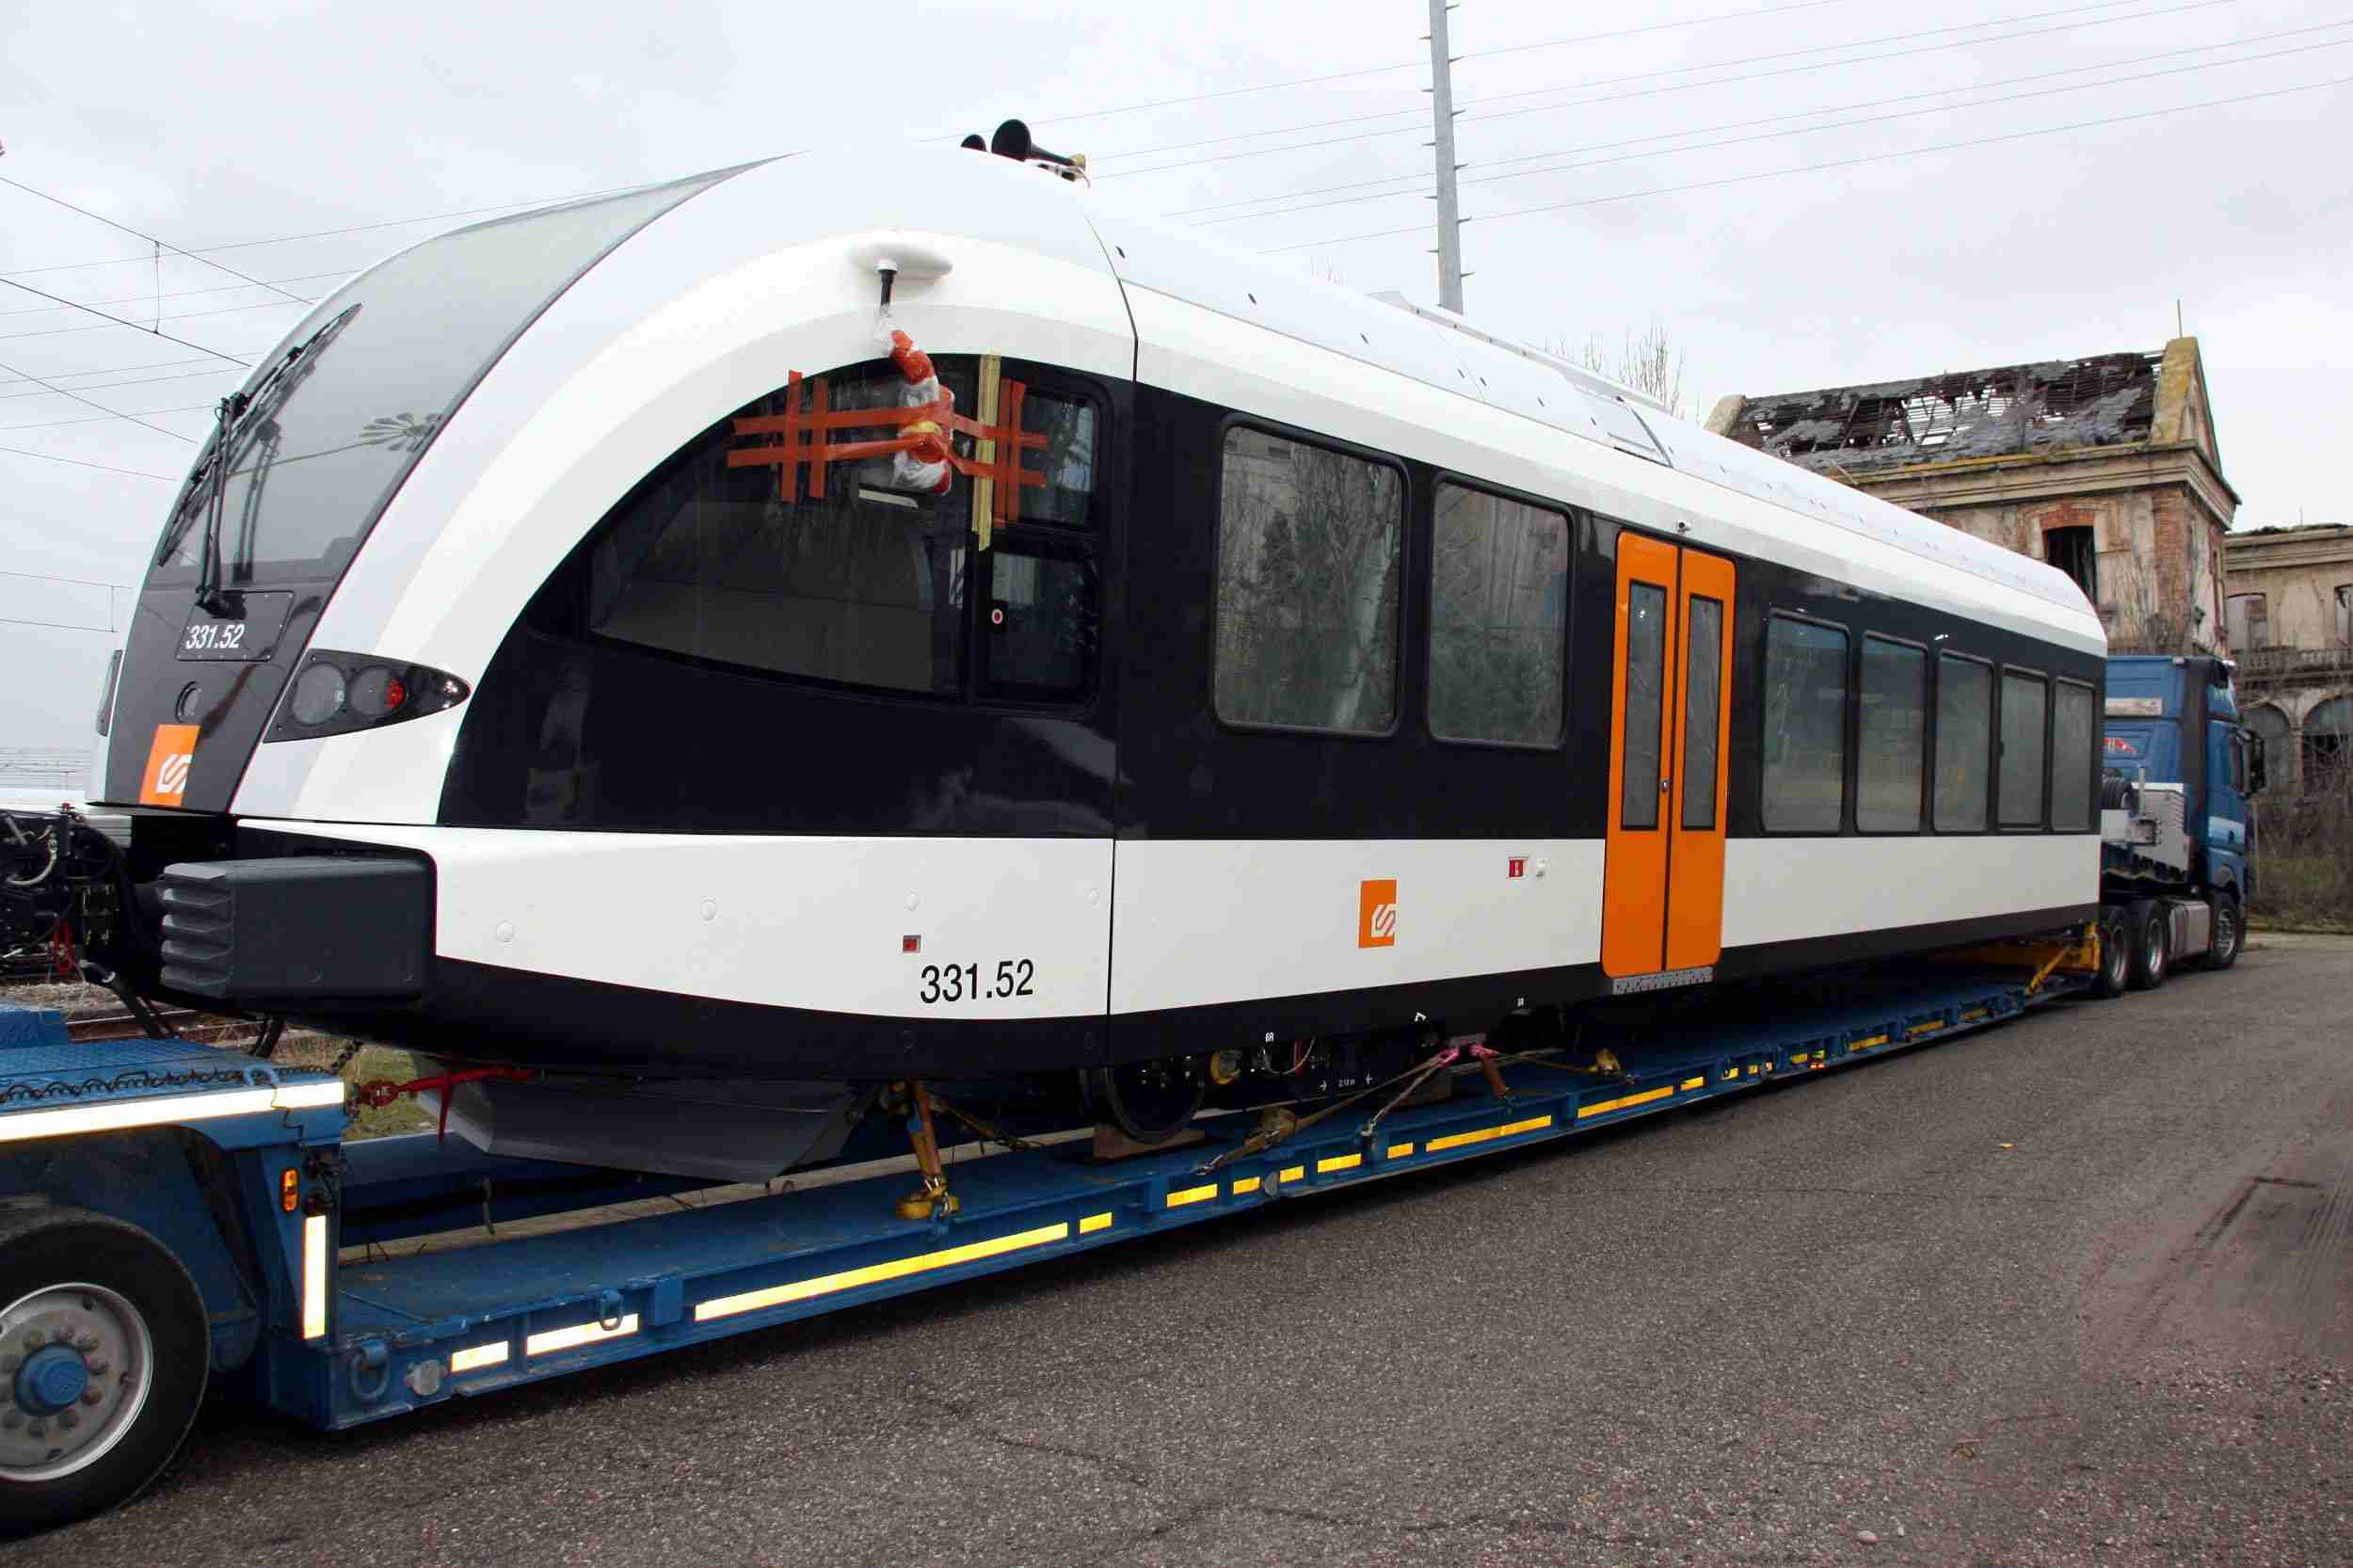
x,y
1193,314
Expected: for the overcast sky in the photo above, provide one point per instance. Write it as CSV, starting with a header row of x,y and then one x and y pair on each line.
x,y
210,125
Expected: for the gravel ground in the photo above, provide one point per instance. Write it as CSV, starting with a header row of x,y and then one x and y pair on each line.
x,y
2073,1290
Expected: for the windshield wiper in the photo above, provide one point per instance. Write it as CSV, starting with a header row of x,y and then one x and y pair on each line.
x,y
234,414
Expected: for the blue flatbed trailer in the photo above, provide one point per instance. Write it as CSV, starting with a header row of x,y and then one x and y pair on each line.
x,y
211,1223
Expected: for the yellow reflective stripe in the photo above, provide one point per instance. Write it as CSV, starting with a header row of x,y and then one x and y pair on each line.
x,y
1927,1028
1398,1151
1605,1106
1699,1082
1247,1184
874,1274
1339,1162
1866,1044
314,1277
479,1356
579,1335
1534,1123
1192,1194
1291,1173
1094,1223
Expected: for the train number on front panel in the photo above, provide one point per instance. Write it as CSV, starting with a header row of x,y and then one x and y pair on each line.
x,y
969,982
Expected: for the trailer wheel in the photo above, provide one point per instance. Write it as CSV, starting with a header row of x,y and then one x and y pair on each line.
x,y
2116,955
2229,933
104,1349
2151,938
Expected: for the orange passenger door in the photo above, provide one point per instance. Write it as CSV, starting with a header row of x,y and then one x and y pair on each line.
x,y
1663,870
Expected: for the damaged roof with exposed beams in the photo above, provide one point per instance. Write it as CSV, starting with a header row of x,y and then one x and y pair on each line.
x,y
2108,400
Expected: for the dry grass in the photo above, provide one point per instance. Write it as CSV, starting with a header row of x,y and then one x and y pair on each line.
x,y
2304,863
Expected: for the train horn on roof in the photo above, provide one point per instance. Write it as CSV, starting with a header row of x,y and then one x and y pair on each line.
x,y
1012,140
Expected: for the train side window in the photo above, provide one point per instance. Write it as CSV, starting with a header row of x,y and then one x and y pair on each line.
x,y
1645,695
1894,736
1310,547
2026,697
1038,635
1805,726
737,562
1499,623
1703,699
1066,500
2073,733
1964,742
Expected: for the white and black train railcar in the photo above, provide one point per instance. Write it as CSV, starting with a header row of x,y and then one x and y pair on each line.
x,y
512,691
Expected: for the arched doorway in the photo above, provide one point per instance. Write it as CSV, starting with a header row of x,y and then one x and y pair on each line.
x,y
2327,760
2267,721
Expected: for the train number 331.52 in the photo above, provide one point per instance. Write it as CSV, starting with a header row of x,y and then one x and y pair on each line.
x,y
949,983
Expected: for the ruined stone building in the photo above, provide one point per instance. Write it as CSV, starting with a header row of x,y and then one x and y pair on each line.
x,y
2107,467
2290,616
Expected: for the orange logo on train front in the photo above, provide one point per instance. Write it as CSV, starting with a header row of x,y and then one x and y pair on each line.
x,y
168,764
1376,913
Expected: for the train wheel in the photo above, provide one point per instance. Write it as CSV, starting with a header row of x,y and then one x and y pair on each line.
x,y
2116,955
104,1351
1149,1101
2229,933
2151,940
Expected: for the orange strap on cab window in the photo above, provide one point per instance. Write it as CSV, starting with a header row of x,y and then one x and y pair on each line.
x,y
807,436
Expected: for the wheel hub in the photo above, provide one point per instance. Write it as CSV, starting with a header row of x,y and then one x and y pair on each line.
x,y
52,1379
78,1362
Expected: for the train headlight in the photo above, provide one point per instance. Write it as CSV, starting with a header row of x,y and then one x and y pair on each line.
x,y
334,693
318,695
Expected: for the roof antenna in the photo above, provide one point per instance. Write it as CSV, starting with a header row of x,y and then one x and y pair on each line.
x,y
2177,320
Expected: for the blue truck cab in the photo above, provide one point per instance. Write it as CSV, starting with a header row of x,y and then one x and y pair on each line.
x,y
2178,854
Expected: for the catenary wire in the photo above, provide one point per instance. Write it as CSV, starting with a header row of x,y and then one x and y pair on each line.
x,y
187,293
108,386
1817,168
179,315
76,462
97,419
135,233
1416,184
1412,65
1806,130
119,322
1422,115
68,391
1420,129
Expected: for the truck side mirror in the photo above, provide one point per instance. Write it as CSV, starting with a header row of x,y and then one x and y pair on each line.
x,y
2255,744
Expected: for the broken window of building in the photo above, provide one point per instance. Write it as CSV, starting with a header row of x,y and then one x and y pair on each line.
x,y
2248,622
2076,553
2327,747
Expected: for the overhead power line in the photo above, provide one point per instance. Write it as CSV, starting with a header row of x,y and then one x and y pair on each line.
x,y
109,386
1415,65
202,250
1689,87
1817,169
135,233
176,315
1413,183
1832,126
100,419
68,391
183,293
119,322
76,462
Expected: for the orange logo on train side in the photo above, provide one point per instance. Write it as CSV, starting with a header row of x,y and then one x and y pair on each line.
x,y
1376,913
168,764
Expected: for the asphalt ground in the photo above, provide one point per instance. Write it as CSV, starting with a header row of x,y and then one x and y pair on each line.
x,y
2070,1290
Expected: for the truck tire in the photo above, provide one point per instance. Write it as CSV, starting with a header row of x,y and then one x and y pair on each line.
x,y
2115,973
2150,938
104,1349
2229,933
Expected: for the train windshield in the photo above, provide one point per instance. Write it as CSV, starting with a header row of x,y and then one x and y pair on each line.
x,y
386,359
